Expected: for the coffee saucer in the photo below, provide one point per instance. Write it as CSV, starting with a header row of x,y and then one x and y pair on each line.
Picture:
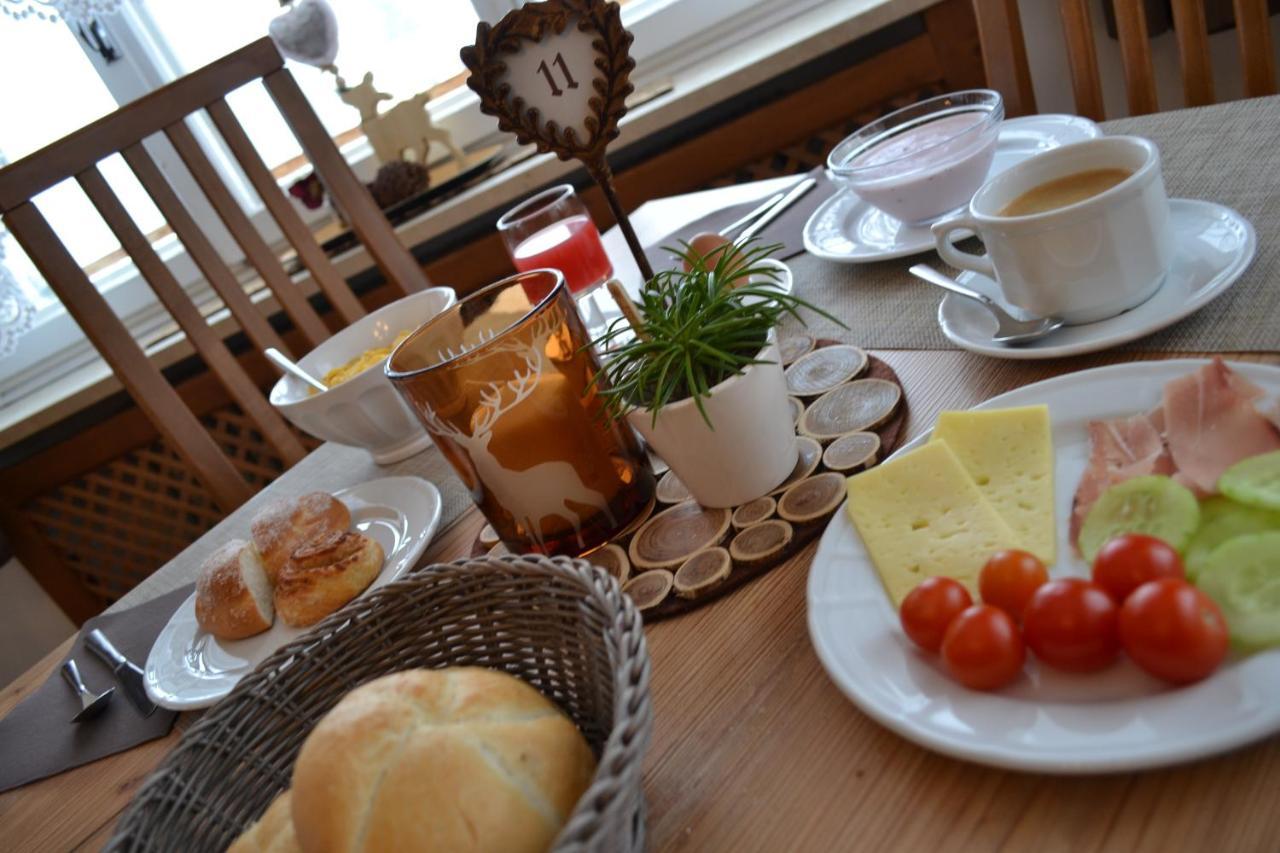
x,y
1214,245
847,230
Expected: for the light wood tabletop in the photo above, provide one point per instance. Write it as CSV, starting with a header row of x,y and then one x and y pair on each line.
x,y
755,748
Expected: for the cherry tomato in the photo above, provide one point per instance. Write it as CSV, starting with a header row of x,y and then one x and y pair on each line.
x,y
983,649
1071,624
1130,560
1010,578
1173,630
929,608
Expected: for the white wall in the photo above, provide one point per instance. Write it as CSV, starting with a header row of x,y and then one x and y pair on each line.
x,y
31,625
1047,57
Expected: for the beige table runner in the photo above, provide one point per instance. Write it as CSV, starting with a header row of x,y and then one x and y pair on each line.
x,y
1229,153
328,468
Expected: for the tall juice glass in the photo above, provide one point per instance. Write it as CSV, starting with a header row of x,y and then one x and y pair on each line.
x,y
502,382
554,230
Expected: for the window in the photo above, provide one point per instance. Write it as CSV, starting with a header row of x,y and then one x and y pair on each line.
x,y
56,83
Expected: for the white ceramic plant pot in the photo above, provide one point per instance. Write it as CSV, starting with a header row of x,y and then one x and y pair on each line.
x,y
752,447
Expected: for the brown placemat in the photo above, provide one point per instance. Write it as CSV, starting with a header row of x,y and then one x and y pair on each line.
x,y
786,229
1222,153
38,739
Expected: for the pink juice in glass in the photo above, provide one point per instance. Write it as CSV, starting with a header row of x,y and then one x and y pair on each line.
x,y
928,169
571,245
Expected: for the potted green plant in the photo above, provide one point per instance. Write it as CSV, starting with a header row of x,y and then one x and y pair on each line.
x,y
695,368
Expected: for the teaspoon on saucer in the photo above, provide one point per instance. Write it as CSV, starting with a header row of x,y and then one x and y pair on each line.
x,y
1009,329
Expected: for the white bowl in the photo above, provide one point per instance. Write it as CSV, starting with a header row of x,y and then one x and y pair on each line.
x,y
365,411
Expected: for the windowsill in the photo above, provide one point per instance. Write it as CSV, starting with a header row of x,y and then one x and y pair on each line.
x,y
782,47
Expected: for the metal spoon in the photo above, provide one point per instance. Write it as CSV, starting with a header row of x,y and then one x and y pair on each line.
x,y
286,364
91,704
1009,329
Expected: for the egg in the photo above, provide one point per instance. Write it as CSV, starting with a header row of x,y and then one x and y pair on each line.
x,y
708,246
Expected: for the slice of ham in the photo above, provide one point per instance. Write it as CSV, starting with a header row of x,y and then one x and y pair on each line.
x,y
1211,423
1119,450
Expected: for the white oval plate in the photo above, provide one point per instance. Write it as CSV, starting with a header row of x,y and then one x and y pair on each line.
x,y
189,669
1214,246
1047,721
847,230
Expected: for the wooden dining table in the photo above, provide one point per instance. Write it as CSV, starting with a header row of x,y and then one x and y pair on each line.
x,y
754,747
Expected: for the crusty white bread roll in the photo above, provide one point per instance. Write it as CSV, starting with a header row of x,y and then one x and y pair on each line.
x,y
439,760
283,526
271,833
325,574
233,595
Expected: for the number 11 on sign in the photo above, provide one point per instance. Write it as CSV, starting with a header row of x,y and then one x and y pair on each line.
x,y
545,71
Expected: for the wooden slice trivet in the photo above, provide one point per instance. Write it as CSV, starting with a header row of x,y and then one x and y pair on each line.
x,y
852,407
753,512
672,536
762,545
797,410
658,590
658,464
812,499
671,490
824,369
789,349
488,536
613,560
850,453
703,572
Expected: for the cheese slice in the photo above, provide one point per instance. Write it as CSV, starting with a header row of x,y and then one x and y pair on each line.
x,y
921,515
1009,455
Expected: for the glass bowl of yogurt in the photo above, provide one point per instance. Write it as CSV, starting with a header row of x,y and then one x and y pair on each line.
x,y
925,160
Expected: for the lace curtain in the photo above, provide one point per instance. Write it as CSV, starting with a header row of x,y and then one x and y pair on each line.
x,y
52,10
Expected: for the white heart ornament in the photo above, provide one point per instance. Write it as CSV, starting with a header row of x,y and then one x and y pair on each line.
x,y
307,33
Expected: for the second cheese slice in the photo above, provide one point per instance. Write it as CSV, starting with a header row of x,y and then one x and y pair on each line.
x,y
1009,455
921,515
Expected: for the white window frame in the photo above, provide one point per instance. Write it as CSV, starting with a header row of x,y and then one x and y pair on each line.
x,y
669,35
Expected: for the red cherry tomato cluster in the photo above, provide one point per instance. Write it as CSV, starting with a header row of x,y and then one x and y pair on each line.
x,y
1138,601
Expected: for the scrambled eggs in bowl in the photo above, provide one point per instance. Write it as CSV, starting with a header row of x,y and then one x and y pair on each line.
x,y
365,360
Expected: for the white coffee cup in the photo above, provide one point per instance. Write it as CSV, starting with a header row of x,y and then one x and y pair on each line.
x,y
1083,262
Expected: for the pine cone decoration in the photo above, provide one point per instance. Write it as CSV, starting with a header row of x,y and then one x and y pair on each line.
x,y
397,181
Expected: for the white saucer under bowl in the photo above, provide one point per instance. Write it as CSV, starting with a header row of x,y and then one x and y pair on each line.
x,y
847,230
1214,246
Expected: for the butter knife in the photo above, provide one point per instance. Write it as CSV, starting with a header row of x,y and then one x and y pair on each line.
x,y
129,676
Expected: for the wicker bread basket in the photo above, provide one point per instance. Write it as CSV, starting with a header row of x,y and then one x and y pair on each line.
x,y
559,624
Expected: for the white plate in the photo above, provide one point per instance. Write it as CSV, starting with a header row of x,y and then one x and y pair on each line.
x,y
1214,246
847,230
1047,721
188,668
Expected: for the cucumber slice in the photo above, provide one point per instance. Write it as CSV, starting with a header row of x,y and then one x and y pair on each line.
x,y
1222,519
1243,577
1156,506
1254,481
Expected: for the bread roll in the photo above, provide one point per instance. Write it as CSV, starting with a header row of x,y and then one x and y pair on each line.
x,y
322,576
283,526
439,760
233,595
272,833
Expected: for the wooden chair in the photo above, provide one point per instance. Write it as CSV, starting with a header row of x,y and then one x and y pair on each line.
x,y
1004,53
164,111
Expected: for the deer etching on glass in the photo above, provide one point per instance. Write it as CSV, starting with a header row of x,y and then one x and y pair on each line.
x,y
545,490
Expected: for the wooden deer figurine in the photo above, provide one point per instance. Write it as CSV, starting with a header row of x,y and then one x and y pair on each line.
x,y
404,127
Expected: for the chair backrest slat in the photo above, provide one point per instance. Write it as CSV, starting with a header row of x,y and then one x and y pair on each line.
x,y
1135,55
206,342
1082,58
144,381
281,209
1253,28
255,248
1004,54
151,113
202,252
1193,52
361,211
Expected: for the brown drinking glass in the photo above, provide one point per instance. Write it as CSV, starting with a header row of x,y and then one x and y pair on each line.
x,y
502,382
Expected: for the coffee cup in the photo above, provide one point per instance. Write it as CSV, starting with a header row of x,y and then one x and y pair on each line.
x,y
1089,258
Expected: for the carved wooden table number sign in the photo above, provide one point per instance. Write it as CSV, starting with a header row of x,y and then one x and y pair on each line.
x,y
556,74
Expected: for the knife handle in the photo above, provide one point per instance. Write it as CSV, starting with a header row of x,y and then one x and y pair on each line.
x,y
97,642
